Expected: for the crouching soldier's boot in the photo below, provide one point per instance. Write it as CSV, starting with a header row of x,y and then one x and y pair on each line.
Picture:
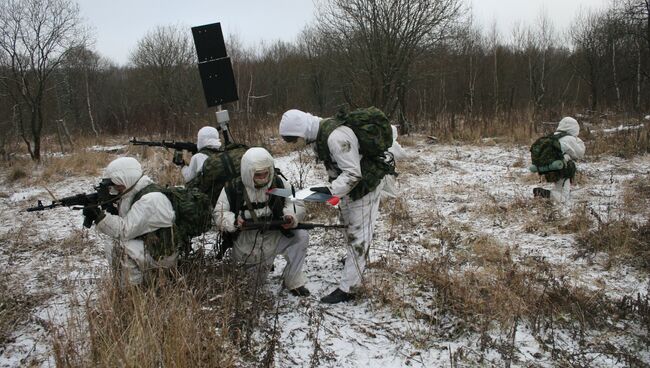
x,y
337,296
300,291
541,192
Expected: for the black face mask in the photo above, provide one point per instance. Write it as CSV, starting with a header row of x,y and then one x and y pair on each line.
x,y
106,182
290,139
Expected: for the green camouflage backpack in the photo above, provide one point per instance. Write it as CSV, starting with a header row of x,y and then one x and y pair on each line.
x,y
193,217
545,151
217,170
375,136
548,159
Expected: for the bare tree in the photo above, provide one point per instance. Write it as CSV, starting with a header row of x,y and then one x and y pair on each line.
x,y
375,43
636,15
494,40
165,60
540,41
590,48
35,37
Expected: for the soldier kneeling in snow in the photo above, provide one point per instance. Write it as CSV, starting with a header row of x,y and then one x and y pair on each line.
x,y
245,200
208,144
142,228
559,149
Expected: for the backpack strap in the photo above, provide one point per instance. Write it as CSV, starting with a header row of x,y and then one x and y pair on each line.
x,y
373,169
161,242
327,126
146,190
239,201
209,151
235,195
561,134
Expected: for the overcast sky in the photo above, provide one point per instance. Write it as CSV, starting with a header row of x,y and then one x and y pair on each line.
x,y
117,25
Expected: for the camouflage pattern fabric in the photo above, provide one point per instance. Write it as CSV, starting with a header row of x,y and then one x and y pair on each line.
x,y
545,150
375,136
193,217
219,168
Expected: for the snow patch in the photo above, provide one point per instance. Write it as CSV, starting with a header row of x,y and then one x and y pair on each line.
x,y
26,194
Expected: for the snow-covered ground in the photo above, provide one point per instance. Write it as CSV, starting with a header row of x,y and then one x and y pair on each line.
x,y
473,190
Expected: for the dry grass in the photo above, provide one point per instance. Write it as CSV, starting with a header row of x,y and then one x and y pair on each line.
x,y
15,305
636,197
543,217
625,242
514,128
580,221
87,164
413,166
497,289
520,162
531,178
623,144
256,131
477,286
410,140
206,318
399,216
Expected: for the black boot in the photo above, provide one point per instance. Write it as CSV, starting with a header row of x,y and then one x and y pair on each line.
x,y
300,291
337,296
541,192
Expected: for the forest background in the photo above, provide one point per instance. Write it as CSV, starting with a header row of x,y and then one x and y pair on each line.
x,y
426,63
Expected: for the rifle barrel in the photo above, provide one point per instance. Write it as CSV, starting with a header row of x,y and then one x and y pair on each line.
x,y
188,146
277,225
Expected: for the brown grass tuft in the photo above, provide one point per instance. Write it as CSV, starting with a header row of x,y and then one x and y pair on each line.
x,y
636,197
625,144
16,173
579,222
624,240
15,305
83,164
206,318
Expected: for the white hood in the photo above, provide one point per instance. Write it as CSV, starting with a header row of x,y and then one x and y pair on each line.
x,y
296,123
569,125
124,171
208,137
256,158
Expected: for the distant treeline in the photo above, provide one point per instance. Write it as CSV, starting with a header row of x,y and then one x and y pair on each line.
x,y
419,60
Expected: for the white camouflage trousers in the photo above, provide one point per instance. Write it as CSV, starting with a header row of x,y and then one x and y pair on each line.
x,y
561,191
360,216
292,249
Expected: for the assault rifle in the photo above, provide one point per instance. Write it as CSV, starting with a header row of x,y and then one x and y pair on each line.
x,y
228,238
277,225
101,197
179,146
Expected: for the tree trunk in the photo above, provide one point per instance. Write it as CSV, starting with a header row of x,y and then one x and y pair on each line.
x,y
58,135
615,77
637,103
496,83
90,111
66,134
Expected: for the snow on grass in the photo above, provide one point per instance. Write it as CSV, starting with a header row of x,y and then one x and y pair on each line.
x,y
449,196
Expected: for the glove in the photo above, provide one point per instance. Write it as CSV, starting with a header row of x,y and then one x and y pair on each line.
x,y
92,215
178,158
324,190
